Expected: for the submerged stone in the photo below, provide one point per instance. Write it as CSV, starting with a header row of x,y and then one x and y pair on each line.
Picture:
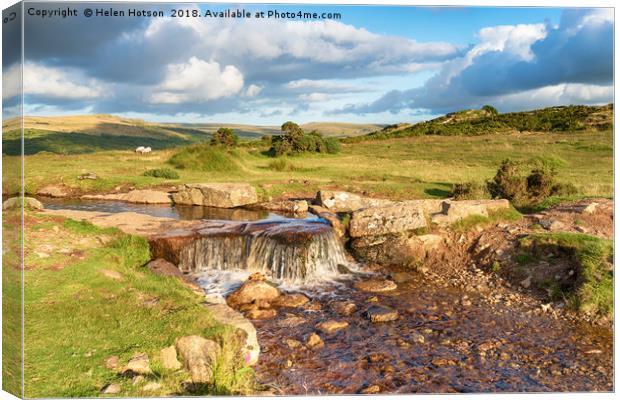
x,y
381,314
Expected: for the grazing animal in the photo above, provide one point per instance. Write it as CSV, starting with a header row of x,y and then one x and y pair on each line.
x,y
143,150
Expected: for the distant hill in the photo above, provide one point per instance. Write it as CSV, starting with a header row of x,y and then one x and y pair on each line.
x,y
89,133
340,129
488,121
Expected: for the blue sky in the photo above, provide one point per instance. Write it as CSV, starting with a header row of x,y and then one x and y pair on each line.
x,y
376,64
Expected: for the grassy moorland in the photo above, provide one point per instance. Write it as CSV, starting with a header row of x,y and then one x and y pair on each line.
x,y
407,161
88,297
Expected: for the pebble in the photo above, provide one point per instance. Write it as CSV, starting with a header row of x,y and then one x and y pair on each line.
x,y
112,388
314,341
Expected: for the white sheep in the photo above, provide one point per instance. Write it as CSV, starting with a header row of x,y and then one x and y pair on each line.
x,y
143,150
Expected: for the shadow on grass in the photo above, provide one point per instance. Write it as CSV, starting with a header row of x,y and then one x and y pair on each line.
x,y
440,192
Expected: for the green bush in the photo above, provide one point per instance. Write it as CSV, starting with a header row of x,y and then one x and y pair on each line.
x,y
225,137
508,183
165,173
527,189
203,157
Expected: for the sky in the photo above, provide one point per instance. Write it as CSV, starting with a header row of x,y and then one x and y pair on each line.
x,y
376,64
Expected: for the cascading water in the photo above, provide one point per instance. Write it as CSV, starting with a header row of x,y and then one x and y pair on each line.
x,y
294,251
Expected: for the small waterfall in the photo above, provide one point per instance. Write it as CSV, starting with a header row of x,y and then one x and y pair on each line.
x,y
294,251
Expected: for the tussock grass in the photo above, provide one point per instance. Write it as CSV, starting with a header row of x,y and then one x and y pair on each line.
x,y
206,158
165,173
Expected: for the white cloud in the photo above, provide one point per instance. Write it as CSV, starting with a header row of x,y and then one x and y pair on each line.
x,y
323,85
562,94
49,82
11,81
314,97
518,67
253,90
197,81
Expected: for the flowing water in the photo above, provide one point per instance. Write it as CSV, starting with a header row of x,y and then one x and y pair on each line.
x,y
290,251
438,343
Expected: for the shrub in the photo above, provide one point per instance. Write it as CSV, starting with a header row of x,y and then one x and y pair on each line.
x,y
225,137
203,157
165,173
295,141
332,145
540,184
511,182
490,109
508,183
469,191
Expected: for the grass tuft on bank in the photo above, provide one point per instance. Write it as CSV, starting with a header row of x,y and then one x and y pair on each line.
x,y
592,290
98,300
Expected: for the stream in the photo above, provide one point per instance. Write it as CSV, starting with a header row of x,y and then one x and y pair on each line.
x,y
439,343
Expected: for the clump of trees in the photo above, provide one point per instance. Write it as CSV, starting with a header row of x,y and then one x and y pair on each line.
x,y
295,141
224,137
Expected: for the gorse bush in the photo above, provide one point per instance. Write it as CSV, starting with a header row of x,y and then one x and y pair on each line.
x,y
295,141
204,157
165,173
526,189
225,137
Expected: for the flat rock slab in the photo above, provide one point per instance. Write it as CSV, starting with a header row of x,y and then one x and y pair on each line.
x,y
128,222
287,206
338,201
222,195
134,196
387,220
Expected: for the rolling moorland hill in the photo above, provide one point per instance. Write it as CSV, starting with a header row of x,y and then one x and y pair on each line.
x,y
90,133
489,121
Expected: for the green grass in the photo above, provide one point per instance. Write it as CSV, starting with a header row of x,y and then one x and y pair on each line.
x,y
206,158
165,173
415,167
11,302
76,317
474,221
593,293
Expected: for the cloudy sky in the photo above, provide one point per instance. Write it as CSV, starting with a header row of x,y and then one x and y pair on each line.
x,y
375,64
